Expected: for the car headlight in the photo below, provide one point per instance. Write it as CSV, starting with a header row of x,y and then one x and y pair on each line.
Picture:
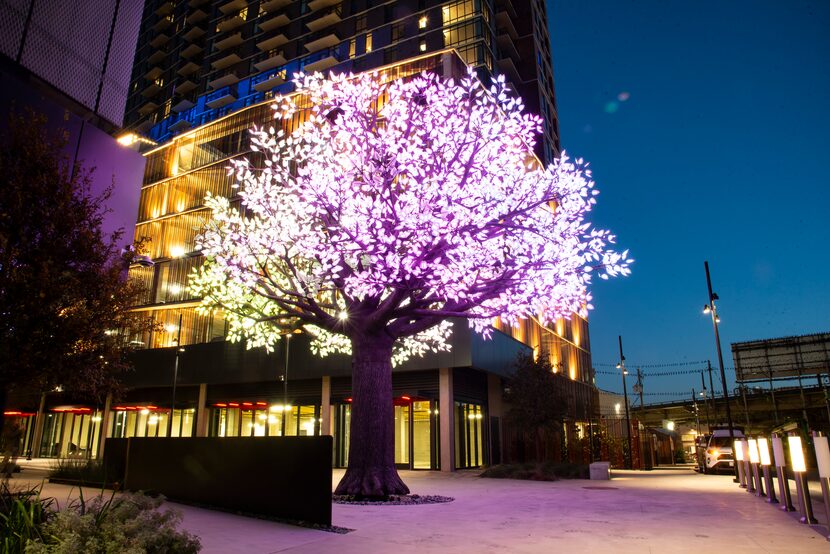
x,y
714,452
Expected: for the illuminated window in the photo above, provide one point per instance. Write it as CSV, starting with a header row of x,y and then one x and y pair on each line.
x,y
423,46
352,48
458,11
368,42
422,23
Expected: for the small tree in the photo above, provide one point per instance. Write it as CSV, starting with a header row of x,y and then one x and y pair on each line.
x,y
63,290
537,405
395,206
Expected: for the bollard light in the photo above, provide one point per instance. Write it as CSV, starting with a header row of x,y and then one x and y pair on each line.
x,y
797,462
738,449
766,461
748,470
753,451
783,482
799,467
763,451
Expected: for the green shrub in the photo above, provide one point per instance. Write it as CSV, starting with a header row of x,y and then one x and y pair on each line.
x,y
78,469
127,523
22,512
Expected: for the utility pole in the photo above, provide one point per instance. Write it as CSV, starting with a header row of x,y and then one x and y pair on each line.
x,y
640,385
712,388
624,372
697,413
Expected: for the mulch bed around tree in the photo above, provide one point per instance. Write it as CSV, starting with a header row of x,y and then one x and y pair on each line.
x,y
391,500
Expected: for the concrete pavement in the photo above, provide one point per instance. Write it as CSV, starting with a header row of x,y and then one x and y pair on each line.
x,y
662,511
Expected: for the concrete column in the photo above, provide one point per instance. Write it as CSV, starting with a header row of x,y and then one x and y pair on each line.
x,y
325,406
39,422
201,412
446,409
105,425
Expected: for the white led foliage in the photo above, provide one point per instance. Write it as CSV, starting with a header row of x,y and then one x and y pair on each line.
x,y
395,206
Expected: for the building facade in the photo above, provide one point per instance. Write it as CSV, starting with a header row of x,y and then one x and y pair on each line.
x,y
198,60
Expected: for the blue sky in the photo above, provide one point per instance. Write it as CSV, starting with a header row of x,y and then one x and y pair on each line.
x,y
708,128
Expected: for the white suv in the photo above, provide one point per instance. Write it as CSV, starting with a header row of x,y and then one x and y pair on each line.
x,y
718,455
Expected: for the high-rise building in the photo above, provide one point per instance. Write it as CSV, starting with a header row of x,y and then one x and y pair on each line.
x,y
199,60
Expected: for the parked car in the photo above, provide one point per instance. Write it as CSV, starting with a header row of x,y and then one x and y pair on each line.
x,y
718,456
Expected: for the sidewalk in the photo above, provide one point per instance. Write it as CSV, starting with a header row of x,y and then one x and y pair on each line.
x,y
662,511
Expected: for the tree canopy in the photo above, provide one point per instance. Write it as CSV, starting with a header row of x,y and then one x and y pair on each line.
x,y
63,291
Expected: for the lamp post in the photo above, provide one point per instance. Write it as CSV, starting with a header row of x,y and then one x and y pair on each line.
x,y
175,376
621,366
712,309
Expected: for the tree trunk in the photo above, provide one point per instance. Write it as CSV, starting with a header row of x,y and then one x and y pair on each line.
x,y
371,472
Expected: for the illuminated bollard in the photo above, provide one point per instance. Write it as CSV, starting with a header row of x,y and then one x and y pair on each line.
x,y
738,447
755,460
805,504
781,469
763,452
750,478
823,459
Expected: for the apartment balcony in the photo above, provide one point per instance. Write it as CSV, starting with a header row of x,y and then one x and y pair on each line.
x,y
191,51
506,5
226,61
223,79
159,40
148,107
507,47
315,5
144,126
163,23
270,82
230,42
186,86
229,23
188,69
273,5
508,68
152,89
504,24
180,125
325,18
157,57
196,3
154,73
220,98
321,61
232,6
272,43
165,9
196,17
193,34
270,60
270,22
183,105
325,40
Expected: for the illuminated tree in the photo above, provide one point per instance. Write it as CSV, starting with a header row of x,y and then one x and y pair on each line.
x,y
392,207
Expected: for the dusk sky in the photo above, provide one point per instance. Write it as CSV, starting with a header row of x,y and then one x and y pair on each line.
x,y
708,128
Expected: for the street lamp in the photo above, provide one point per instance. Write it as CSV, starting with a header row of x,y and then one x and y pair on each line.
x,y
712,309
179,349
624,372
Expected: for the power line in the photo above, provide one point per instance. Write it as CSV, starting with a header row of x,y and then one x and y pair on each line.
x,y
665,364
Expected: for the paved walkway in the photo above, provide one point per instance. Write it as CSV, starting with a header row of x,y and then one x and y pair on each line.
x,y
662,511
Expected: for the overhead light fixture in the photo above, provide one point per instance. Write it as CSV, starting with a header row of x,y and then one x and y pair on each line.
x,y
706,309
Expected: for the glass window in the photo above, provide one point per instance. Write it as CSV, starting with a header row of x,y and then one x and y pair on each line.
x,y
402,434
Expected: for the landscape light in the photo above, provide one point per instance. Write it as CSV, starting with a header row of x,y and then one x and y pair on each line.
x,y
344,315
738,446
753,451
797,462
763,450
